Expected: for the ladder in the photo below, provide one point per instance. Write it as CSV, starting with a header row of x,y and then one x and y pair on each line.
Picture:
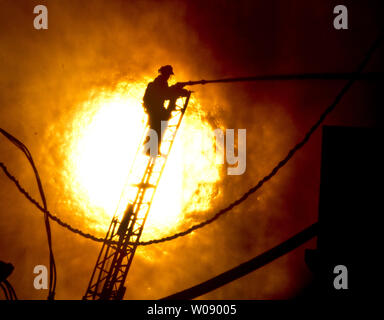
x,y
113,263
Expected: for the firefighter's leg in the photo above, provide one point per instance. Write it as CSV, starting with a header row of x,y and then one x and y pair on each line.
x,y
153,135
171,107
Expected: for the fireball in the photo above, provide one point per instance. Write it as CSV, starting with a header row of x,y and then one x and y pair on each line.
x,y
103,154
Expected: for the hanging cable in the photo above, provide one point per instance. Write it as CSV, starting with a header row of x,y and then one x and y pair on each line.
x,y
8,290
5,291
52,265
5,271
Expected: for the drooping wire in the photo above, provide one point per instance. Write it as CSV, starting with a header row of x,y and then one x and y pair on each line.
x,y
52,216
5,290
354,76
8,290
52,264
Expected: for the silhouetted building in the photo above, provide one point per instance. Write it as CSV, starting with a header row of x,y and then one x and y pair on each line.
x,y
349,229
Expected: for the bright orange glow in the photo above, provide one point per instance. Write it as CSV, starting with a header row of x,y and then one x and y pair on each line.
x,y
108,130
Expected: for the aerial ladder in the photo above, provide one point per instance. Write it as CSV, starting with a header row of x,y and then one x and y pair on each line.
x,y
123,236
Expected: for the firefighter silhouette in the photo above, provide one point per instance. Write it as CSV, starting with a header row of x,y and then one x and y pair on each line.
x,y
156,94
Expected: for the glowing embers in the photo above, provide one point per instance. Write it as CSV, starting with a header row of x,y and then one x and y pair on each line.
x,y
109,128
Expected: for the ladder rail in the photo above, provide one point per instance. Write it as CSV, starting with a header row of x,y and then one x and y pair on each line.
x,y
121,252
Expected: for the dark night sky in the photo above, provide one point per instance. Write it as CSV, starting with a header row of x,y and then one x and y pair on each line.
x,y
88,45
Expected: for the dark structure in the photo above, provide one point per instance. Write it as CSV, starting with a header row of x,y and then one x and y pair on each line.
x,y
348,212
5,271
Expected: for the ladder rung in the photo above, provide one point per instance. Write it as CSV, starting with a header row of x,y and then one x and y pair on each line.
x,y
144,185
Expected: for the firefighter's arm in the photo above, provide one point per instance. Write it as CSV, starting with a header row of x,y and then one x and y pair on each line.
x,y
179,90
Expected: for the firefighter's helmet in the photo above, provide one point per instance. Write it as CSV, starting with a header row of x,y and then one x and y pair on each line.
x,y
166,70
